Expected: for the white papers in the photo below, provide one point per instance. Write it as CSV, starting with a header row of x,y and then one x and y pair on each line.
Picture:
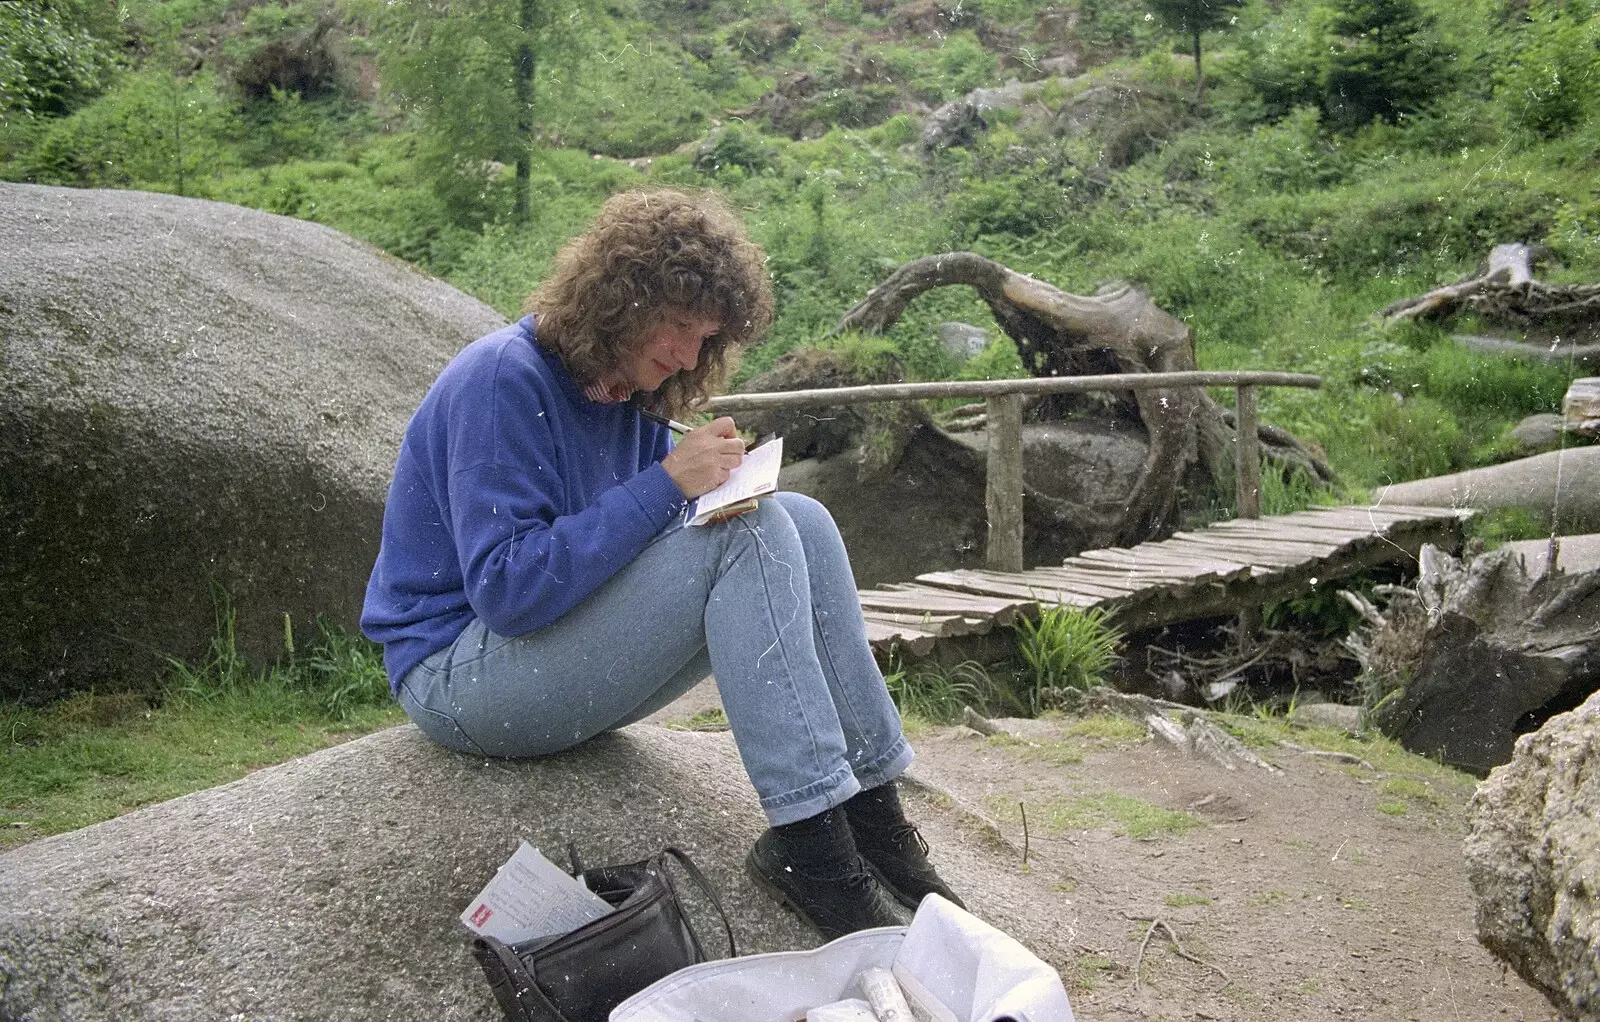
x,y
756,475
531,897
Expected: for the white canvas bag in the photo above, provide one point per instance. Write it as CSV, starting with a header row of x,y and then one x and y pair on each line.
x,y
960,968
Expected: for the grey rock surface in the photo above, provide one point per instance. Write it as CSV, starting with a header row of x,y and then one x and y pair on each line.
x,y
194,394
928,513
1538,433
1533,856
328,888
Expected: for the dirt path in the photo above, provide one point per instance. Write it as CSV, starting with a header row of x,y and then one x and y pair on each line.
x,y
1328,891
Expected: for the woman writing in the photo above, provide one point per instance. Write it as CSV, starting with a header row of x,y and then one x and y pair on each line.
x,y
536,583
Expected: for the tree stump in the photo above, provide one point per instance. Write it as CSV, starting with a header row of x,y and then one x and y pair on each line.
x,y
1478,653
1504,288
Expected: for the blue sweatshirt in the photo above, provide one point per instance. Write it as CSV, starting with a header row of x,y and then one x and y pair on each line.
x,y
514,497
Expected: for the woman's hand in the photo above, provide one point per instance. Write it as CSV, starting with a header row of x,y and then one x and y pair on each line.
x,y
702,460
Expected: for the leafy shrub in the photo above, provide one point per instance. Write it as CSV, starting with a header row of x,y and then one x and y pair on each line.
x,y
1420,436
897,131
1065,649
1484,383
1283,61
957,66
735,146
152,131
1292,155
1417,222
1551,77
858,107
51,58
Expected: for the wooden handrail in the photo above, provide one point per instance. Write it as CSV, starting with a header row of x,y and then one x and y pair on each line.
x,y
1003,500
990,388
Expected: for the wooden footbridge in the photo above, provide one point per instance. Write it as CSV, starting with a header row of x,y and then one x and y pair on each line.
x,y
1223,569
1227,568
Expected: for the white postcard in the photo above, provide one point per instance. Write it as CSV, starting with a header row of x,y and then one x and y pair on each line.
x,y
756,475
532,897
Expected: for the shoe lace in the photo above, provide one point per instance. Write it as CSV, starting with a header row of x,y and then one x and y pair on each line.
x,y
907,834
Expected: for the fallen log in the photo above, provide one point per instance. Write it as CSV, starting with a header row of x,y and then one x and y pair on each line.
x,y
1583,356
1478,653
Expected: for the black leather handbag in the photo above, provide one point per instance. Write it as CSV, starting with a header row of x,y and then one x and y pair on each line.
x,y
580,976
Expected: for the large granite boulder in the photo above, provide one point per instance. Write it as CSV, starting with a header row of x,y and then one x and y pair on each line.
x,y
1533,856
196,397
329,888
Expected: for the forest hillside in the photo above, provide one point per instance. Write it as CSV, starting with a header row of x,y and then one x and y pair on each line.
x,y
1334,156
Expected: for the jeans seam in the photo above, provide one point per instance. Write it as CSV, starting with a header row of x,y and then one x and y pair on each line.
x,y
825,659
430,711
783,651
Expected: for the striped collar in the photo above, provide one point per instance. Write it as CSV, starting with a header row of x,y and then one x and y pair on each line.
x,y
601,394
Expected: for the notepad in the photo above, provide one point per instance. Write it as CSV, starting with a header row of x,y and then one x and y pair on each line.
x,y
755,477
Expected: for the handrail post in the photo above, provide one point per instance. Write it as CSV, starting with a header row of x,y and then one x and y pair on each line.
x,y
1247,486
1003,498
1247,474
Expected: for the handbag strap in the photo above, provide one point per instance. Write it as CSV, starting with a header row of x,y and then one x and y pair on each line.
x,y
705,888
531,1001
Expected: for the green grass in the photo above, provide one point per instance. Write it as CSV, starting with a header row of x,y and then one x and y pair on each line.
x,y
936,693
1183,899
94,756
713,719
1412,772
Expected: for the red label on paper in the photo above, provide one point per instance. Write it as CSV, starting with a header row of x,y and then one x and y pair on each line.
x,y
482,915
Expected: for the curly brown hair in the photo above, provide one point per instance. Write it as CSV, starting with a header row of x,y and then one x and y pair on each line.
x,y
645,253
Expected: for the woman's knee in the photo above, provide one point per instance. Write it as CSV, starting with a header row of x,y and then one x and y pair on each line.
x,y
808,513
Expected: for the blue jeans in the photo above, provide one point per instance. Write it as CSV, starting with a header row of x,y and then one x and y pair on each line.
x,y
766,602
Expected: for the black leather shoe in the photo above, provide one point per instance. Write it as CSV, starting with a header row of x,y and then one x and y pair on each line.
x,y
898,857
835,905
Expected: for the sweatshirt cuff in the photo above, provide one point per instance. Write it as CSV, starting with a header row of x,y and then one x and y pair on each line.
x,y
658,496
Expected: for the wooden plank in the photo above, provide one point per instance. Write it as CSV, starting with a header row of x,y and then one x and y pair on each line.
x,y
988,587
1151,557
1325,532
1155,570
1265,535
1053,578
1304,547
904,636
1099,583
1128,583
1257,556
1384,512
922,598
941,625
872,393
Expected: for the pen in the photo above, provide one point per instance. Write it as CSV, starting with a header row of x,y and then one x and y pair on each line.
x,y
672,424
